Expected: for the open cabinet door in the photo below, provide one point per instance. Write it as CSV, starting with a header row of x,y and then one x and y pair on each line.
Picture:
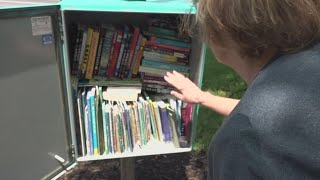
x,y
34,115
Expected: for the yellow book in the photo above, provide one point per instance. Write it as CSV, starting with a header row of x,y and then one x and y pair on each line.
x,y
133,125
86,52
153,119
139,57
93,53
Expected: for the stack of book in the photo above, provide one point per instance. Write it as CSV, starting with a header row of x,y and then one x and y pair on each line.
x,y
107,126
106,51
117,52
165,50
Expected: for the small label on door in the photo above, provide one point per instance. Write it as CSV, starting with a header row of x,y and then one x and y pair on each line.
x,y
47,39
41,25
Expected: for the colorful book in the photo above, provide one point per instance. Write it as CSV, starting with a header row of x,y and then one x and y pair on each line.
x,y
132,50
135,54
106,50
115,54
93,53
82,51
169,42
90,128
139,58
86,52
102,36
165,65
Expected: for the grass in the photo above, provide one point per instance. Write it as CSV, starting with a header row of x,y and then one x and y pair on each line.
x,y
219,80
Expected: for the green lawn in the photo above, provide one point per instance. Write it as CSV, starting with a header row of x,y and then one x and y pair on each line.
x,y
219,80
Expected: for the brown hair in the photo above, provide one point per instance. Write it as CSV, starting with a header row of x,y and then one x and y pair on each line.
x,y
288,25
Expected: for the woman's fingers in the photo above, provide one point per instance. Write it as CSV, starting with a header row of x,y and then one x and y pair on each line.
x,y
177,95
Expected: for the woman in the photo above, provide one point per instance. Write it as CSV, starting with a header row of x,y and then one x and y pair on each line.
x,y
273,132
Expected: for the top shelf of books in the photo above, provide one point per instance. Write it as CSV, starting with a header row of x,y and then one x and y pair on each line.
x,y
148,6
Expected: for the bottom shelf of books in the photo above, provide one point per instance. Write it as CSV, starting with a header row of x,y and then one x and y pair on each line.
x,y
116,122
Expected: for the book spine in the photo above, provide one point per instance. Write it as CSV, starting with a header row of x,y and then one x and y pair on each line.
x,y
99,50
165,124
123,42
163,31
161,72
170,42
111,119
174,48
164,65
138,126
87,52
162,83
166,51
115,54
134,58
105,127
132,50
186,115
160,57
82,51
156,90
90,124
93,52
139,58
125,56
106,51
94,126
77,49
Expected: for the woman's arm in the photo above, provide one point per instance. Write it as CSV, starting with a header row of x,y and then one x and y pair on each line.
x,y
218,104
187,91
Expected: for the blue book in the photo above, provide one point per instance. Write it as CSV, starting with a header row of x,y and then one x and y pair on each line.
x,y
165,121
94,123
105,127
90,122
164,65
170,42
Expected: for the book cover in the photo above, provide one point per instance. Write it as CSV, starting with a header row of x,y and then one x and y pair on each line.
x,y
84,112
86,52
153,120
92,54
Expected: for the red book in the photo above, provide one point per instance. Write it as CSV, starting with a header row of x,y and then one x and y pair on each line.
x,y
132,49
186,115
175,48
115,54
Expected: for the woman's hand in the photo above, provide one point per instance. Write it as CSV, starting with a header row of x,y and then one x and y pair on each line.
x,y
186,91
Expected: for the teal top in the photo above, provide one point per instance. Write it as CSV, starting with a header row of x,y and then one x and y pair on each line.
x,y
149,6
